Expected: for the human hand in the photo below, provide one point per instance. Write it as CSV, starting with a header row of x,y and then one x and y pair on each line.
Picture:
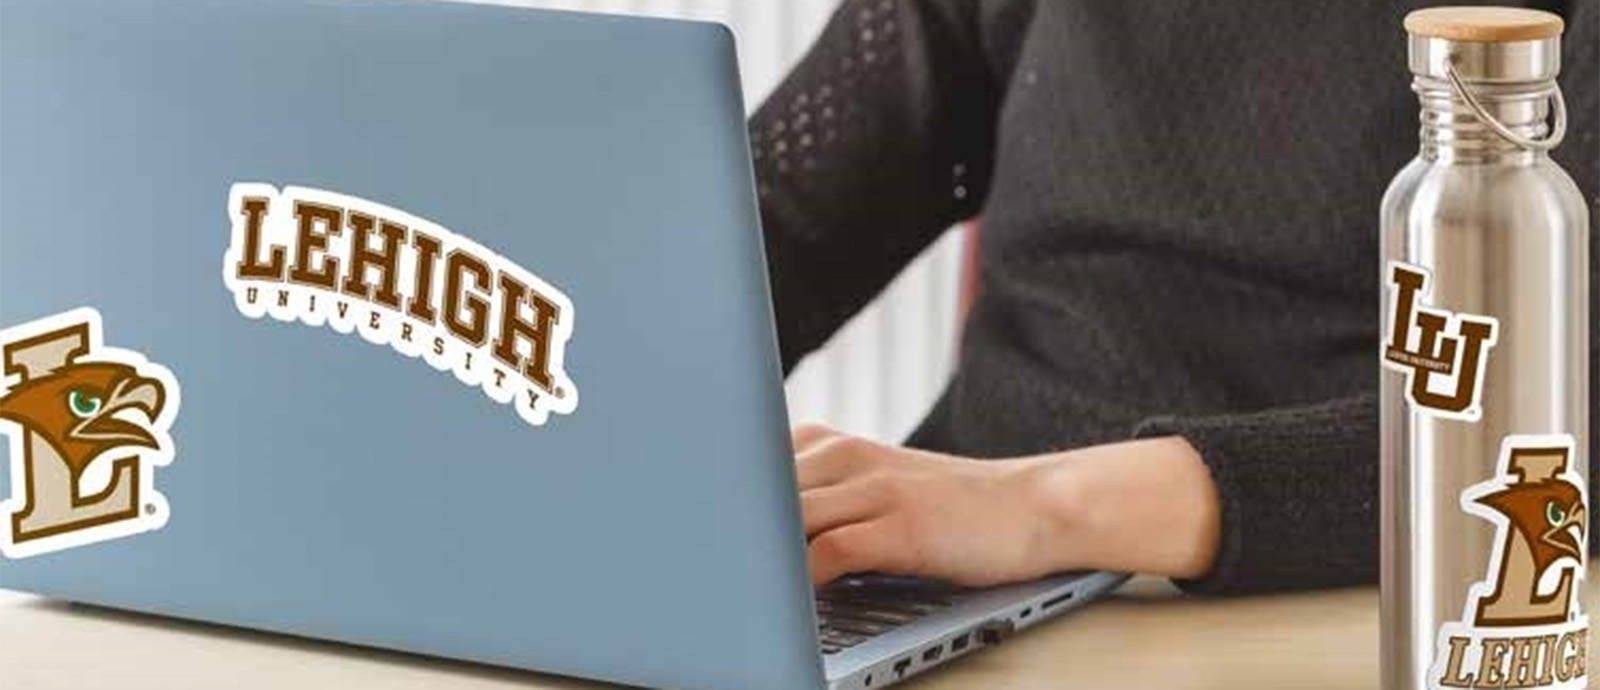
x,y
1141,506
873,507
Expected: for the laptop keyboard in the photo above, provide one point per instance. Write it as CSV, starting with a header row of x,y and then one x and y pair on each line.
x,y
855,609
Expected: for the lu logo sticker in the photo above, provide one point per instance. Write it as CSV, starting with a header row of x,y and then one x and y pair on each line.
x,y
88,426
1428,343
324,258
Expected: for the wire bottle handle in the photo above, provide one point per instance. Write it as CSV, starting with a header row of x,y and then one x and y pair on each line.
x,y
1558,131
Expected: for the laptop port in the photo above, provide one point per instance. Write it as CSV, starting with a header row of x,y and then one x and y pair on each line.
x,y
868,682
960,642
901,666
995,632
1057,601
932,654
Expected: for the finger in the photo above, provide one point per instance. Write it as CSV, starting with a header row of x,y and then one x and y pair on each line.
x,y
807,435
832,507
855,548
833,460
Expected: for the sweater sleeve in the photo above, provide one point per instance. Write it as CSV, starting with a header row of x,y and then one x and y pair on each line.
x,y
1299,492
881,138
1299,488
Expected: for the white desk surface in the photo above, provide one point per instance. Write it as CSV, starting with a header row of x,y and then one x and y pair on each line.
x,y
1140,639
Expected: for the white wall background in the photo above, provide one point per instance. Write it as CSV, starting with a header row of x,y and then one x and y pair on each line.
x,y
881,373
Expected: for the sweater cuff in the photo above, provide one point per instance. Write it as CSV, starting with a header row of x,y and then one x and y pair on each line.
x,y
1299,493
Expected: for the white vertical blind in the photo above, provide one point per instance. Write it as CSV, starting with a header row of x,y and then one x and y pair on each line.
x,y
881,373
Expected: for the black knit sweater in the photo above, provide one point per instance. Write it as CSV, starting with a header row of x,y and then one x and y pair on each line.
x,y
1179,205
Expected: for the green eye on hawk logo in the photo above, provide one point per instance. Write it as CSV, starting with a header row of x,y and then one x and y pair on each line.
x,y
1555,514
84,404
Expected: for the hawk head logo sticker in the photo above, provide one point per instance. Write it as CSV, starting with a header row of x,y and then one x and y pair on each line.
x,y
1547,518
1542,518
1524,626
87,426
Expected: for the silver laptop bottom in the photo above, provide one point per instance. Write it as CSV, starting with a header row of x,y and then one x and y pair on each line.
x,y
879,630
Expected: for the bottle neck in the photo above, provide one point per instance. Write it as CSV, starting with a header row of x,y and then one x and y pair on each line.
x,y
1452,133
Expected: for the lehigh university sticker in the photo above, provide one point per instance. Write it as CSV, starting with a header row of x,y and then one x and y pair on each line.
x,y
1450,348
1523,626
88,426
324,258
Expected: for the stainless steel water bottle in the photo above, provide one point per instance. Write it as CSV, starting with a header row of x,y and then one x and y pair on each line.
x,y
1485,512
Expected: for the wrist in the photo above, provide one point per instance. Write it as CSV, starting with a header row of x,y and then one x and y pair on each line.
x,y
1061,502
1147,506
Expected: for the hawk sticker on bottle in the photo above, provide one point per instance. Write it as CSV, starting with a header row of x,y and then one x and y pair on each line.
x,y
1443,354
327,259
1523,626
88,427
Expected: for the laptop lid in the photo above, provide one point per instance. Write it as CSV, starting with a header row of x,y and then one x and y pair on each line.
x,y
619,504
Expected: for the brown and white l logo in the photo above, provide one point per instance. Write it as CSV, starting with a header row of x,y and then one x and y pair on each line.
x,y
88,426
1429,344
1524,625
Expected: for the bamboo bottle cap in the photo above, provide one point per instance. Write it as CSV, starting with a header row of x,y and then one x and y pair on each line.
x,y
1484,52
1483,24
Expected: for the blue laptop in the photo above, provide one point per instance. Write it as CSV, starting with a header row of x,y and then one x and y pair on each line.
x,y
432,327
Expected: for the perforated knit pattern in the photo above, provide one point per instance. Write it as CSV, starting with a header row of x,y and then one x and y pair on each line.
x,y
813,115
1179,203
